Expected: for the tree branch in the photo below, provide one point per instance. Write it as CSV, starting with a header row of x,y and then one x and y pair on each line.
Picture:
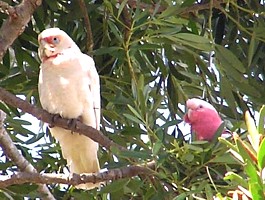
x,y
90,43
75,179
160,8
44,116
6,8
13,153
14,25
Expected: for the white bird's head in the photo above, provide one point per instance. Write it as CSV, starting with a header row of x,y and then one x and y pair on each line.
x,y
52,42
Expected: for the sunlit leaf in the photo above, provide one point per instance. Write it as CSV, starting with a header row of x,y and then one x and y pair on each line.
x,y
245,150
261,154
252,130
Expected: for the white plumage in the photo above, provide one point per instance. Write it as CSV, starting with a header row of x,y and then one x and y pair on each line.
x,y
69,86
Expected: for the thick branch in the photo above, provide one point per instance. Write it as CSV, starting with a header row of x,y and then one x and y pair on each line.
x,y
15,23
75,179
44,116
13,153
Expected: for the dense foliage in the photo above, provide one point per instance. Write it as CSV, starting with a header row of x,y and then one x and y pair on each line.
x,y
151,58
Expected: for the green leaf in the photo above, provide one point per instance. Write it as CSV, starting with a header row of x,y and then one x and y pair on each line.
x,y
195,148
115,186
227,143
227,93
224,159
131,131
246,87
191,40
261,120
197,39
135,112
171,10
23,188
135,154
229,60
252,49
245,151
146,46
121,7
107,50
52,4
256,191
157,147
115,30
239,180
14,80
218,132
132,118
252,130
261,155
108,5
255,184
209,191
35,138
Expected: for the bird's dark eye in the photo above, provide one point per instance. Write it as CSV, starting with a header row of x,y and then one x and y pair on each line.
x,y
55,40
200,106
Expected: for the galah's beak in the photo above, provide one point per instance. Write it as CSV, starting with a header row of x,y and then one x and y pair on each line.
x,y
189,112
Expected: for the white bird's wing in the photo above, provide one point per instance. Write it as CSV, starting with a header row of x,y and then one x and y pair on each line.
x,y
94,87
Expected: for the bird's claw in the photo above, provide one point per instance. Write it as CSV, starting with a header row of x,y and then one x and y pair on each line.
x,y
71,123
55,117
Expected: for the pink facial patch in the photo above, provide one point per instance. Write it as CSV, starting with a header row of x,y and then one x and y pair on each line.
x,y
49,39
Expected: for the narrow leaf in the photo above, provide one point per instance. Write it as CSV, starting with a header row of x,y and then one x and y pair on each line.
x,y
123,3
237,178
261,120
230,58
252,130
244,150
135,112
252,48
261,154
132,118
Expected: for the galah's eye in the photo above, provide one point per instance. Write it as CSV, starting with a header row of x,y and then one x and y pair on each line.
x,y
200,106
55,40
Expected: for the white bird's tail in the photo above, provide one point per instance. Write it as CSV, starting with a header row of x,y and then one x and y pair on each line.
x,y
80,153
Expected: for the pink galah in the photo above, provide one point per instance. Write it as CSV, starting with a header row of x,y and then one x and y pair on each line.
x,y
69,86
203,118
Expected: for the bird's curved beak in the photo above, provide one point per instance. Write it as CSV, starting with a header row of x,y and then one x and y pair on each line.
x,y
45,50
189,112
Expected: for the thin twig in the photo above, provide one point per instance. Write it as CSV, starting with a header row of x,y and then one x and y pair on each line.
x,y
90,42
